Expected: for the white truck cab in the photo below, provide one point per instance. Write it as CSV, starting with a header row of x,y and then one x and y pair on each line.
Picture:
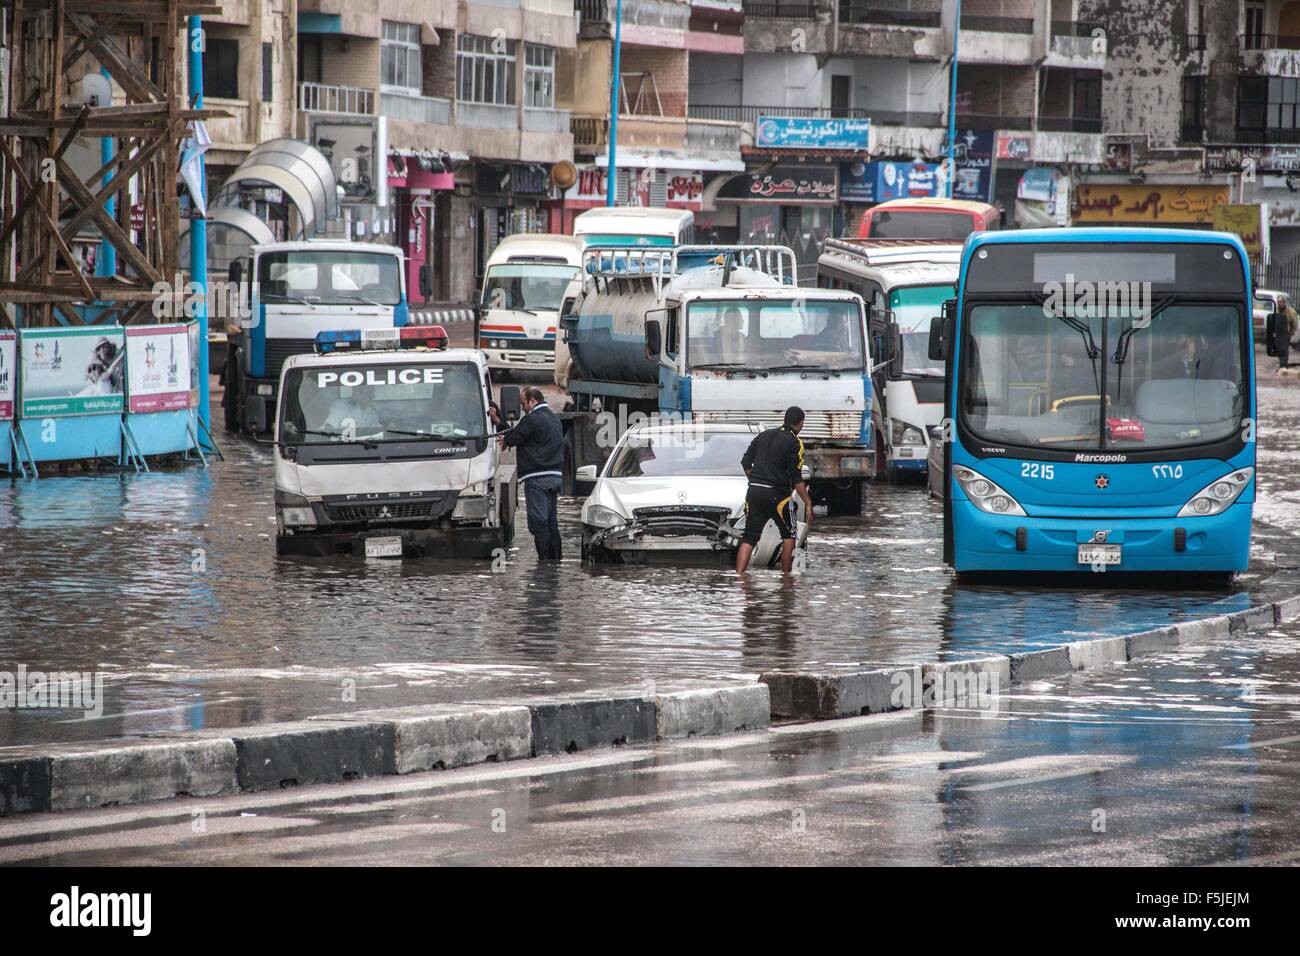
x,y
384,449
519,306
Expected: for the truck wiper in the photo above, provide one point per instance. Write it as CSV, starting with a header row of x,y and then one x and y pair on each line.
x,y
364,443
720,365
358,298
429,436
800,368
290,299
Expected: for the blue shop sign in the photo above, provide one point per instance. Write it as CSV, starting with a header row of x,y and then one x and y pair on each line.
x,y
881,180
807,132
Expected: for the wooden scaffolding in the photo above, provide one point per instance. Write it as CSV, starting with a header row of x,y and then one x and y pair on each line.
x,y
44,202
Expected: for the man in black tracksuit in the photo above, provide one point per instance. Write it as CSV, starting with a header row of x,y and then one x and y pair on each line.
x,y
774,465
539,438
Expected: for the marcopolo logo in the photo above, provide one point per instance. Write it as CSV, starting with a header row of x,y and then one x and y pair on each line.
x,y
76,909
52,690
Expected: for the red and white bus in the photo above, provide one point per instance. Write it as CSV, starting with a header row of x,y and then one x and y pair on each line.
x,y
950,220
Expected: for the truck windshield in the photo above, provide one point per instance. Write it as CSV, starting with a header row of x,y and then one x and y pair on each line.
x,y
689,453
921,224
529,286
766,334
329,277
913,309
389,402
1032,378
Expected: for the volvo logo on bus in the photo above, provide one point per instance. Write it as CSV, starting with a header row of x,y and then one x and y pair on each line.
x,y
1103,482
1099,537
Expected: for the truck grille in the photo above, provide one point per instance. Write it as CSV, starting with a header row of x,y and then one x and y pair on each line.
x,y
844,426
403,511
277,350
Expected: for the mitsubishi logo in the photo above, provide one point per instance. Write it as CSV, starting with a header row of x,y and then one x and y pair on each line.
x,y
384,512
1102,482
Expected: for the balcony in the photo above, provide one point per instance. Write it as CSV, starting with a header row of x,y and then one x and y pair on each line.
x,y
780,10
997,24
750,114
1270,54
416,109
1073,46
1068,146
1069,124
1270,41
597,17
713,136
666,133
539,120
1002,41
487,115
1194,43
869,12
320,98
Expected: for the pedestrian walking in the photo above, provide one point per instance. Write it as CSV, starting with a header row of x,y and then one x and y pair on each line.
x,y
539,441
774,465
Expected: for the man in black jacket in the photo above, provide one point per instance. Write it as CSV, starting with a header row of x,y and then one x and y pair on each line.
x,y
774,465
539,438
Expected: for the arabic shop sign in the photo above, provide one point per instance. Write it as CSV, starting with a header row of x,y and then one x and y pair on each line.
x,y
974,180
789,184
879,181
1235,159
1248,221
1015,146
1127,203
800,132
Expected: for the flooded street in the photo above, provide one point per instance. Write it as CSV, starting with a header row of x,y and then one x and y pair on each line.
x,y
168,584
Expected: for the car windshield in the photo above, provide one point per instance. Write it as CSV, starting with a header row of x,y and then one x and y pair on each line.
x,y
329,277
921,224
681,454
1028,378
530,286
392,402
764,334
913,309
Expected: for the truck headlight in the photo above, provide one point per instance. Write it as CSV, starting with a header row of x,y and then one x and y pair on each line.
x,y
1216,497
298,517
984,494
602,517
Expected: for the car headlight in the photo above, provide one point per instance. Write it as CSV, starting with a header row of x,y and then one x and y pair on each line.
x,y
984,494
602,517
903,433
1217,496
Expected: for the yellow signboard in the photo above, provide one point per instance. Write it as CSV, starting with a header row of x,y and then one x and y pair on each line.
x,y
1247,222
1130,204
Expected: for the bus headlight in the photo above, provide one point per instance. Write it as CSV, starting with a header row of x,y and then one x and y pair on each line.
x,y
602,517
984,494
1216,497
902,433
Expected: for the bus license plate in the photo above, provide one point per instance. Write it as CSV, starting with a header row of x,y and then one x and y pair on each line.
x,y
1099,553
384,547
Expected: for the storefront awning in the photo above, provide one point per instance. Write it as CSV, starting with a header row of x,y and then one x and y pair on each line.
x,y
654,160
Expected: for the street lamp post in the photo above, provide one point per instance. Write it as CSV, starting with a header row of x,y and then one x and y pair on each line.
x,y
952,103
611,191
199,233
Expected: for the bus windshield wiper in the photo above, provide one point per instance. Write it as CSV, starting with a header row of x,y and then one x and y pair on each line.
x,y
1121,347
1085,332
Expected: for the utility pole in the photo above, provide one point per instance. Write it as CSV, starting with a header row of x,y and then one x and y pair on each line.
x,y
199,232
952,103
611,191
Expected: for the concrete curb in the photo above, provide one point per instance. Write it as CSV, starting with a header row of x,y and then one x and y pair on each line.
x,y
337,747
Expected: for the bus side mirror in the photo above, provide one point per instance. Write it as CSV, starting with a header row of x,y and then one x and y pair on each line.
x,y
1273,327
511,409
426,281
894,342
653,340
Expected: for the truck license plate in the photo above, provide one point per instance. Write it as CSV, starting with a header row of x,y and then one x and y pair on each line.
x,y
384,547
1099,553
535,358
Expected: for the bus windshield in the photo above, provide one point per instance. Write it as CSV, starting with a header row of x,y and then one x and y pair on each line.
x,y
759,335
329,277
531,287
391,402
1103,380
913,309
921,224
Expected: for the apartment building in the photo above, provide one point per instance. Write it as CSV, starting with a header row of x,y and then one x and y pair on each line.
x,y
1199,104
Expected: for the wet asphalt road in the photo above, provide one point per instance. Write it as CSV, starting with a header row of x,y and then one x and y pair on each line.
x,y
168,585
1186,758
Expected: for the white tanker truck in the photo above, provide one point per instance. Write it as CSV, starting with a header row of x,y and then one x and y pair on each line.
x,y
718,334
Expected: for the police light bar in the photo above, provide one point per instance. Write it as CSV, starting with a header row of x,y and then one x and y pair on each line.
x,y
385,340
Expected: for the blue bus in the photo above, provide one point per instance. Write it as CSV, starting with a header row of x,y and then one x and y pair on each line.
x,y
1100,402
